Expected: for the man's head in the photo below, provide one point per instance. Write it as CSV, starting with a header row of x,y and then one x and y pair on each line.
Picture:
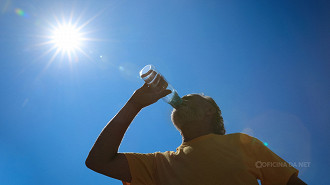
x,y
198,112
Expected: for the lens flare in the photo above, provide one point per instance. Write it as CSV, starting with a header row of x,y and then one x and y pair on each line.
x,y
20,12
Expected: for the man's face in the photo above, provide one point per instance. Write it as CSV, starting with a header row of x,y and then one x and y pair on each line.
x,y
193,109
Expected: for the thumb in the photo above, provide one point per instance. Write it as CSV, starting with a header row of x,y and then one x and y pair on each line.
x,y
145,85
165,93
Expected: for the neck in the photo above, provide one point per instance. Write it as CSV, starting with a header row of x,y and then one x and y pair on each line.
x,y
190,135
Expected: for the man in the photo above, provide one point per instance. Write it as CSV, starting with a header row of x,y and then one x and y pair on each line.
x,y
206,156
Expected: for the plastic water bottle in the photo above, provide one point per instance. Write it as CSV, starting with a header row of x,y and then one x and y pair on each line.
x,y
152,77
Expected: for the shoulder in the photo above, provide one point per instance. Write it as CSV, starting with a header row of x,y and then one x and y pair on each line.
x,y
149,156
164,154
243,139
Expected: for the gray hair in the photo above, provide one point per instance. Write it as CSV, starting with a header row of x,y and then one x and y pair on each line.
x,y
218,126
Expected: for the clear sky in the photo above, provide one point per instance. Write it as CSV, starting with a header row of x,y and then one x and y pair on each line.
x,y
266,63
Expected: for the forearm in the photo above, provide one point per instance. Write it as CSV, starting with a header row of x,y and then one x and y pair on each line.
x,y
108,142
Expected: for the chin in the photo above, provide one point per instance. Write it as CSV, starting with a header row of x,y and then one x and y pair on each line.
x,y
174,115
178,125
176,120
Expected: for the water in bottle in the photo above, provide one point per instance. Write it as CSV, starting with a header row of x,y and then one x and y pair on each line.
x,y
151,76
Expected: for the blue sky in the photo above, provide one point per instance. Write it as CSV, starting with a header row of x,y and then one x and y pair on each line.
x,y
266,63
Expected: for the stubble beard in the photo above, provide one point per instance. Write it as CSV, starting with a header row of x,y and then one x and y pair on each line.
x,y
181,118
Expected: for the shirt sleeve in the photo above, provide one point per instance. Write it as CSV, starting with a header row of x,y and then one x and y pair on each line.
x,y
142,168
273,169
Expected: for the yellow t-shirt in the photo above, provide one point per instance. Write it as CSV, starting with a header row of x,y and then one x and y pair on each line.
x,y
232,159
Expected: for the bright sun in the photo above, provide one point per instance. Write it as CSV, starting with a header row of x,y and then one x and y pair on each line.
x,y
67,38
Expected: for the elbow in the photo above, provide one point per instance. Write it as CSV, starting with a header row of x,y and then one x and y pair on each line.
x,y
88,164
94,165
91,164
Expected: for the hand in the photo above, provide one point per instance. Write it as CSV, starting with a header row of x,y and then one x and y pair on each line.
x,y
147,95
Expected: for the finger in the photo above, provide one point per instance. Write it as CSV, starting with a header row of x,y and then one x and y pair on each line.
x,y
155,82
162,84
151,76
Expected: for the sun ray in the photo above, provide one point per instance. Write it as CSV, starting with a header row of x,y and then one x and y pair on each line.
x,y
71,17
84,53
78,19
47,52
69,55
62,56
44,43
51,59
89,20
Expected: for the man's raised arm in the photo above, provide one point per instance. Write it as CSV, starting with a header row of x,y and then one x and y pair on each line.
x,y
104,157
